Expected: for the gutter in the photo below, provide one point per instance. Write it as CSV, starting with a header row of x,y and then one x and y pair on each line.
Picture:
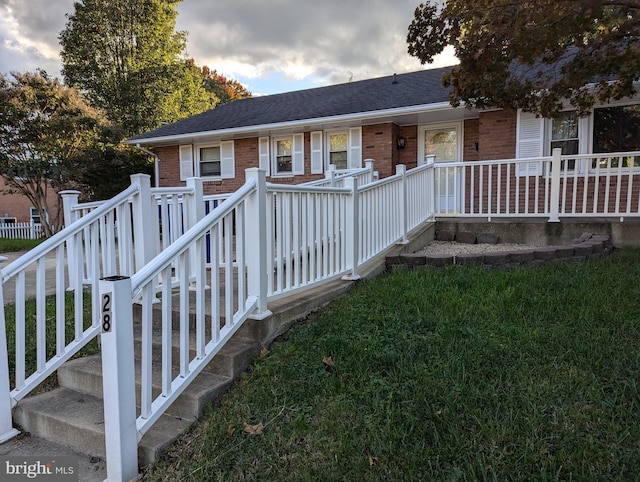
x,y
156,167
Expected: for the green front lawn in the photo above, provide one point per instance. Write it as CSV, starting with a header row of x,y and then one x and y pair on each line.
x,y
442,374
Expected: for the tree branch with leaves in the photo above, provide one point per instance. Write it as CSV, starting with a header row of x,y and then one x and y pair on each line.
x,y
533,54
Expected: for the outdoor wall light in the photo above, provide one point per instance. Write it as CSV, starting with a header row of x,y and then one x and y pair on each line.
x,y
400,142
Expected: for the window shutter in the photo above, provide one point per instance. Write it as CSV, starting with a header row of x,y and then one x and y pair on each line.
x,y
186,162
316,153
263,153
298,154
530,142
355,148
227,161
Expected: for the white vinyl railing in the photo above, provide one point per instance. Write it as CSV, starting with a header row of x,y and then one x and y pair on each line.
x,y
336,177
553,187
65,320
29,230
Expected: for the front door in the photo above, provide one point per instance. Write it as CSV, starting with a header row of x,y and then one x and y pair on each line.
x,y
445,143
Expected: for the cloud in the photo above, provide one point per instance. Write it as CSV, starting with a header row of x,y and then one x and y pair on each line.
x,y
290,40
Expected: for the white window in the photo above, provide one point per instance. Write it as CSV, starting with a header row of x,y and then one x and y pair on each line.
x,y
283,155
343,148
287,155
337,149
214,161
34,215
210,165
564,135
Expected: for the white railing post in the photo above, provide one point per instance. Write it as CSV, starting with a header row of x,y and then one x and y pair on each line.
x,y
431,161
69,201
145,221
368,163
6,426
352,235
554,199
194,207
330,174
401,170
256,232
118,378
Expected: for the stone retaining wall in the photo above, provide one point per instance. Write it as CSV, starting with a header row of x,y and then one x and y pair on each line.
x,y
586,247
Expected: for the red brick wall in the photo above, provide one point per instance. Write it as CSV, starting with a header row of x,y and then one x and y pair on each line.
x,y
497,135
471,140
379,144
409,155
17,205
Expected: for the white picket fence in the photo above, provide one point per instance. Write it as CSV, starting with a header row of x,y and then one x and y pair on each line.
x,y
29,230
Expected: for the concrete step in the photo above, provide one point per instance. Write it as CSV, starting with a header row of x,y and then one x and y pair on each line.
x,y
76,420
84,375
230,361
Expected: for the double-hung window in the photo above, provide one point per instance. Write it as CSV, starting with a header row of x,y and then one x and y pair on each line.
x,y
564,135
338,149
283,156
210,165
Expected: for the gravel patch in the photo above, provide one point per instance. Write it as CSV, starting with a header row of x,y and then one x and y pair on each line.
x,y
453,248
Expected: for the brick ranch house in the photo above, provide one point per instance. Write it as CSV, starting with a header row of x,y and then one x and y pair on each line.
x,y
398,119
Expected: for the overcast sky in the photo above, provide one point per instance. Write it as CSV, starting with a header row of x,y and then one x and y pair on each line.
x,y
268,45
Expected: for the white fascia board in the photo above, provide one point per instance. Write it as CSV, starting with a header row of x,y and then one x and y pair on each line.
x,y
310,123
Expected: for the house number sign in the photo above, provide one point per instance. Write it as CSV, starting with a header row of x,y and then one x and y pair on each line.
x,y
106,312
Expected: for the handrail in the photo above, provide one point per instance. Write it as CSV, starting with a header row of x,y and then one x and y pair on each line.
x,y
61,236
300,188
162,260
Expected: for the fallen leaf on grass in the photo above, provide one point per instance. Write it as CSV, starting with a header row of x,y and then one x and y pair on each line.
x,y
328,361
264,352
373,460
253,429
230,431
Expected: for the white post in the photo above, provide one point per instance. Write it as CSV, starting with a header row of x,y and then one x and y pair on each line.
x,y
331,174
69,200
401,170
145,221
431,161
368,163
554,200
352,229
6,427
194,206
256,231
118,378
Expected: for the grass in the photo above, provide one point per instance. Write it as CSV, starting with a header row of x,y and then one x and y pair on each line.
x,y
11,245
31,334
443,374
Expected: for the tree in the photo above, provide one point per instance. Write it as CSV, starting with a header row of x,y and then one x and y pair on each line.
x,y
533,54
128,59
46,129
224,88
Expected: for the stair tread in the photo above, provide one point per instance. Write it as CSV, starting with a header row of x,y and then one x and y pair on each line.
x,y
77,411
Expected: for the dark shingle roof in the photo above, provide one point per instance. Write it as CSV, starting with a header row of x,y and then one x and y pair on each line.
x,y
412,89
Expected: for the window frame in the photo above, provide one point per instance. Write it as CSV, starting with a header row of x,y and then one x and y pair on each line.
x,y
327,147
199,160
422,128
275,171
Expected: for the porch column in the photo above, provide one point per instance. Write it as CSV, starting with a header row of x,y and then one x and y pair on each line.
x,y
554,201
